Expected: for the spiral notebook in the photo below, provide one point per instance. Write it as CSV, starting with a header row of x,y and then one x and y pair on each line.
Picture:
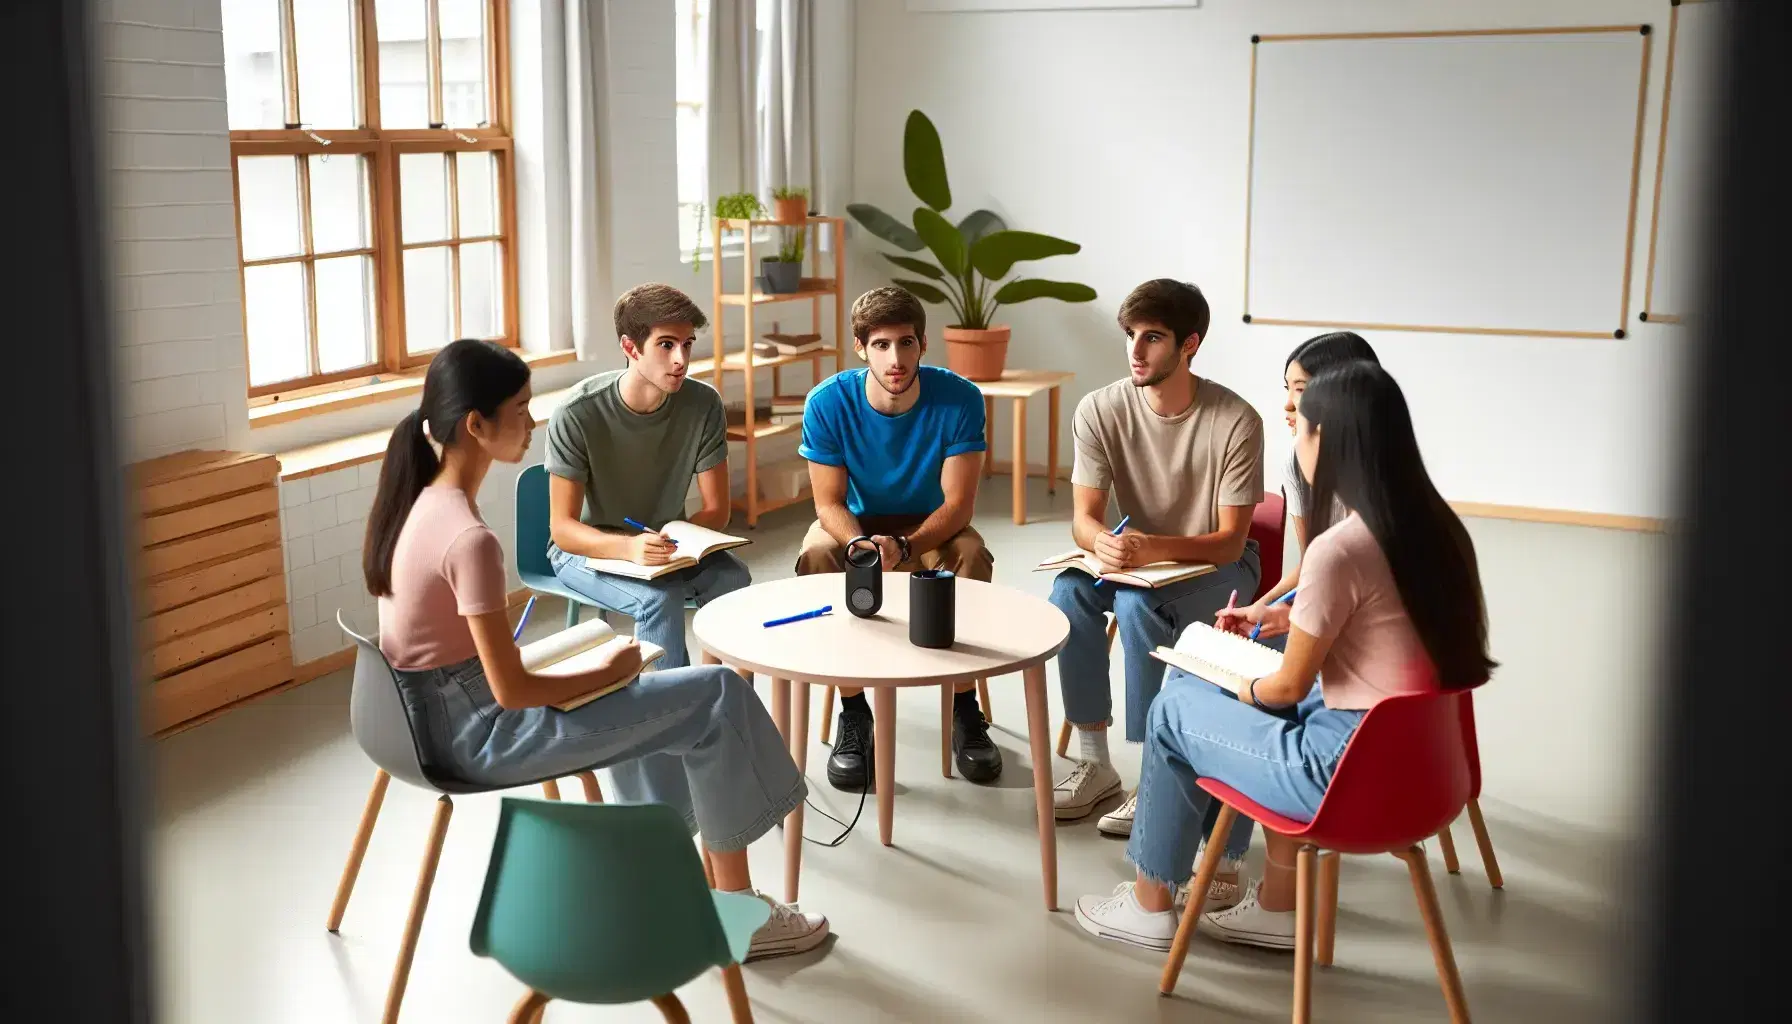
x,y
1220,657
1156,574
581,649
695,543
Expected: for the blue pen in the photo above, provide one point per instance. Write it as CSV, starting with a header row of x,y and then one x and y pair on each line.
x,y
646,529
1284,599
524,621
1117,531
816,614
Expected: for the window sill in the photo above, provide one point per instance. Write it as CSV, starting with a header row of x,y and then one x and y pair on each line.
x,y
390,386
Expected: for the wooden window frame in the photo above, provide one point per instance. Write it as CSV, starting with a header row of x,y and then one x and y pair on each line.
x,y
382,149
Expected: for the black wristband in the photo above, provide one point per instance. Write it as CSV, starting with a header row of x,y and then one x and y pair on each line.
x,y
1259,705
902,542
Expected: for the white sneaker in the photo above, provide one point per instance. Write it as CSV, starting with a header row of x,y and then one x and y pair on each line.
x,y
788,931
1222,893
1248,924
1119,917
1090,782
1118,822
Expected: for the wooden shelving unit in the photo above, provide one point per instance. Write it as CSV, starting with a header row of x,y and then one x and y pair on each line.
x,y
749,299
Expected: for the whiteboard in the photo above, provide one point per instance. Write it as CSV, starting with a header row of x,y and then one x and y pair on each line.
x,y
1694,57
1457,182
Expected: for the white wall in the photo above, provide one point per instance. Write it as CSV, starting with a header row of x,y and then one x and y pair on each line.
x,y
1130,138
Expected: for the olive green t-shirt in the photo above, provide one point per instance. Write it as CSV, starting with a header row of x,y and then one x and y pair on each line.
x,y
635,466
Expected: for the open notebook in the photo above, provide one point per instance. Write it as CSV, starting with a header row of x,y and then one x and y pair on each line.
x,y
1154,575
580,649
694,544
1220,657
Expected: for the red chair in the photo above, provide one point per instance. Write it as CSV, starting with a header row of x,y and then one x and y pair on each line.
x,y
1475,821
1407,772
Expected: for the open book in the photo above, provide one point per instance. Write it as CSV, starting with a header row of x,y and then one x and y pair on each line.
x,y
694,544
581,649
1220,657
1154,575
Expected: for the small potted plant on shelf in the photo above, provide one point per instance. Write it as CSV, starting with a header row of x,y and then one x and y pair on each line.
x,y
970,258
790,205
784,272
739,206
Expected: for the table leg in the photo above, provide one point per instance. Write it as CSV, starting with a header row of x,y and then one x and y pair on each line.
x,y
1039,740
989,435
946,729
1020,462
884,740
793,824
781,707
1051,443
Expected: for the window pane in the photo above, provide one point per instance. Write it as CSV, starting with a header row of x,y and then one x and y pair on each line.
x,y
324,33
339,203
274,316
423,181
254,65
463,62
482,290
404,68
477,179
268,196
428,324
344,313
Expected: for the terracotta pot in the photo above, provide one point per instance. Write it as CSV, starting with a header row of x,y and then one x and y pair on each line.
x,y
790,211
977,355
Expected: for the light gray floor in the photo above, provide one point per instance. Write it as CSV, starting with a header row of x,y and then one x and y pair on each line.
x,y
254,813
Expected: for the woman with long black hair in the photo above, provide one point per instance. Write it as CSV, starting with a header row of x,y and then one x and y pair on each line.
x,y
479,715
1390,603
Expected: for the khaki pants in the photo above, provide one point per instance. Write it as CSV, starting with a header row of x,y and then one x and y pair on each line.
x,y
965,554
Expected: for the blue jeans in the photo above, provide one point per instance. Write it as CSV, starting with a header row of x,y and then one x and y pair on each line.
x,y
1201,730
697,739
1149,618
657,606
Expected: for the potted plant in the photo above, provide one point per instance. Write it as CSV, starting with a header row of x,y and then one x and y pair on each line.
x,y
971,258
783,273
790,205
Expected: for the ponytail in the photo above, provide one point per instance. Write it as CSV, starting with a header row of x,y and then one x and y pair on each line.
x,y
411,463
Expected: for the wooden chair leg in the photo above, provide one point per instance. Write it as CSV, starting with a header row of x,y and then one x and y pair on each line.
x,y
413,925
1485,842
1448,844
358,849
827,712
672,1009
551,789
528,1010
1429,909
989,711
1305,896
946,730
1328,906
738,1006
594,793
1197,901
1064,738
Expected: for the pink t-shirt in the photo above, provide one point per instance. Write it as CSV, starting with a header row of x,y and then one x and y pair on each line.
x,y
1347,594
448,564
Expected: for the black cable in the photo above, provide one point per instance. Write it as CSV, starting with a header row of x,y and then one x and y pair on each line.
x,y
846,826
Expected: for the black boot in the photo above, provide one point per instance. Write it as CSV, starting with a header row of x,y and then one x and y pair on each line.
x,y
849,766
977,756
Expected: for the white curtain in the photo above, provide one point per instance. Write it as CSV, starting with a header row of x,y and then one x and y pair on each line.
x,y
787,93
588,178
733,133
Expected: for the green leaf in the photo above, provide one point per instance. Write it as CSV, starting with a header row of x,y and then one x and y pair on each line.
x,y
922,267
942,239
980,223
921,290
1027,288
996,253
886,227
924,162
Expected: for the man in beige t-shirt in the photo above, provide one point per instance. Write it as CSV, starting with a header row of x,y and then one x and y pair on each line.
x,y
1183,458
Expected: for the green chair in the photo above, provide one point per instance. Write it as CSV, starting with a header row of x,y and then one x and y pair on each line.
x,y
607,904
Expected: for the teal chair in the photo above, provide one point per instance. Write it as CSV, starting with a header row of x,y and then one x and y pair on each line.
x,y
607,904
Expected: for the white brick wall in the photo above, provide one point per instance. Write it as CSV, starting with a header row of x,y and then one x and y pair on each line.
x,y
180,363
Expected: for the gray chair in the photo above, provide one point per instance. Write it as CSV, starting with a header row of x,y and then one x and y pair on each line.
x,y
383,730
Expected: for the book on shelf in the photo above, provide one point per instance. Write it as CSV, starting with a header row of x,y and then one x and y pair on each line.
x,y
695,543
581,649
1220,657
777,343
1156,574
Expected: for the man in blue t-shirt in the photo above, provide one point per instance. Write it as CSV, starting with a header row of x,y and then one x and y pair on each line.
x,y
895,450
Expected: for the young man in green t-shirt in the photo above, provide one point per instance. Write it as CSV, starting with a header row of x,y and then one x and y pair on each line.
x,y
625,445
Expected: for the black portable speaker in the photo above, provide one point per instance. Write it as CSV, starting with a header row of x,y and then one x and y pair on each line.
x,y
864,577
932,608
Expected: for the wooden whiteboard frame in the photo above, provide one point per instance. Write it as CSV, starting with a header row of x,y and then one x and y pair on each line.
x,y
1636,160
1648,315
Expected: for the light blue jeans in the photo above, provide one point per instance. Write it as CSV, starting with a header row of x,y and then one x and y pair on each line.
x,y
1149,618
697,739
657,606
1199,730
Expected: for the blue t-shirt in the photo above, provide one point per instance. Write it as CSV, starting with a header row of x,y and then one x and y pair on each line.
x,y
892,462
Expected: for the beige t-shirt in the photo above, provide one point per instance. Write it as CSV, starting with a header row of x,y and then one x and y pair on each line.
x,y
1347,594
447,565
1170,474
